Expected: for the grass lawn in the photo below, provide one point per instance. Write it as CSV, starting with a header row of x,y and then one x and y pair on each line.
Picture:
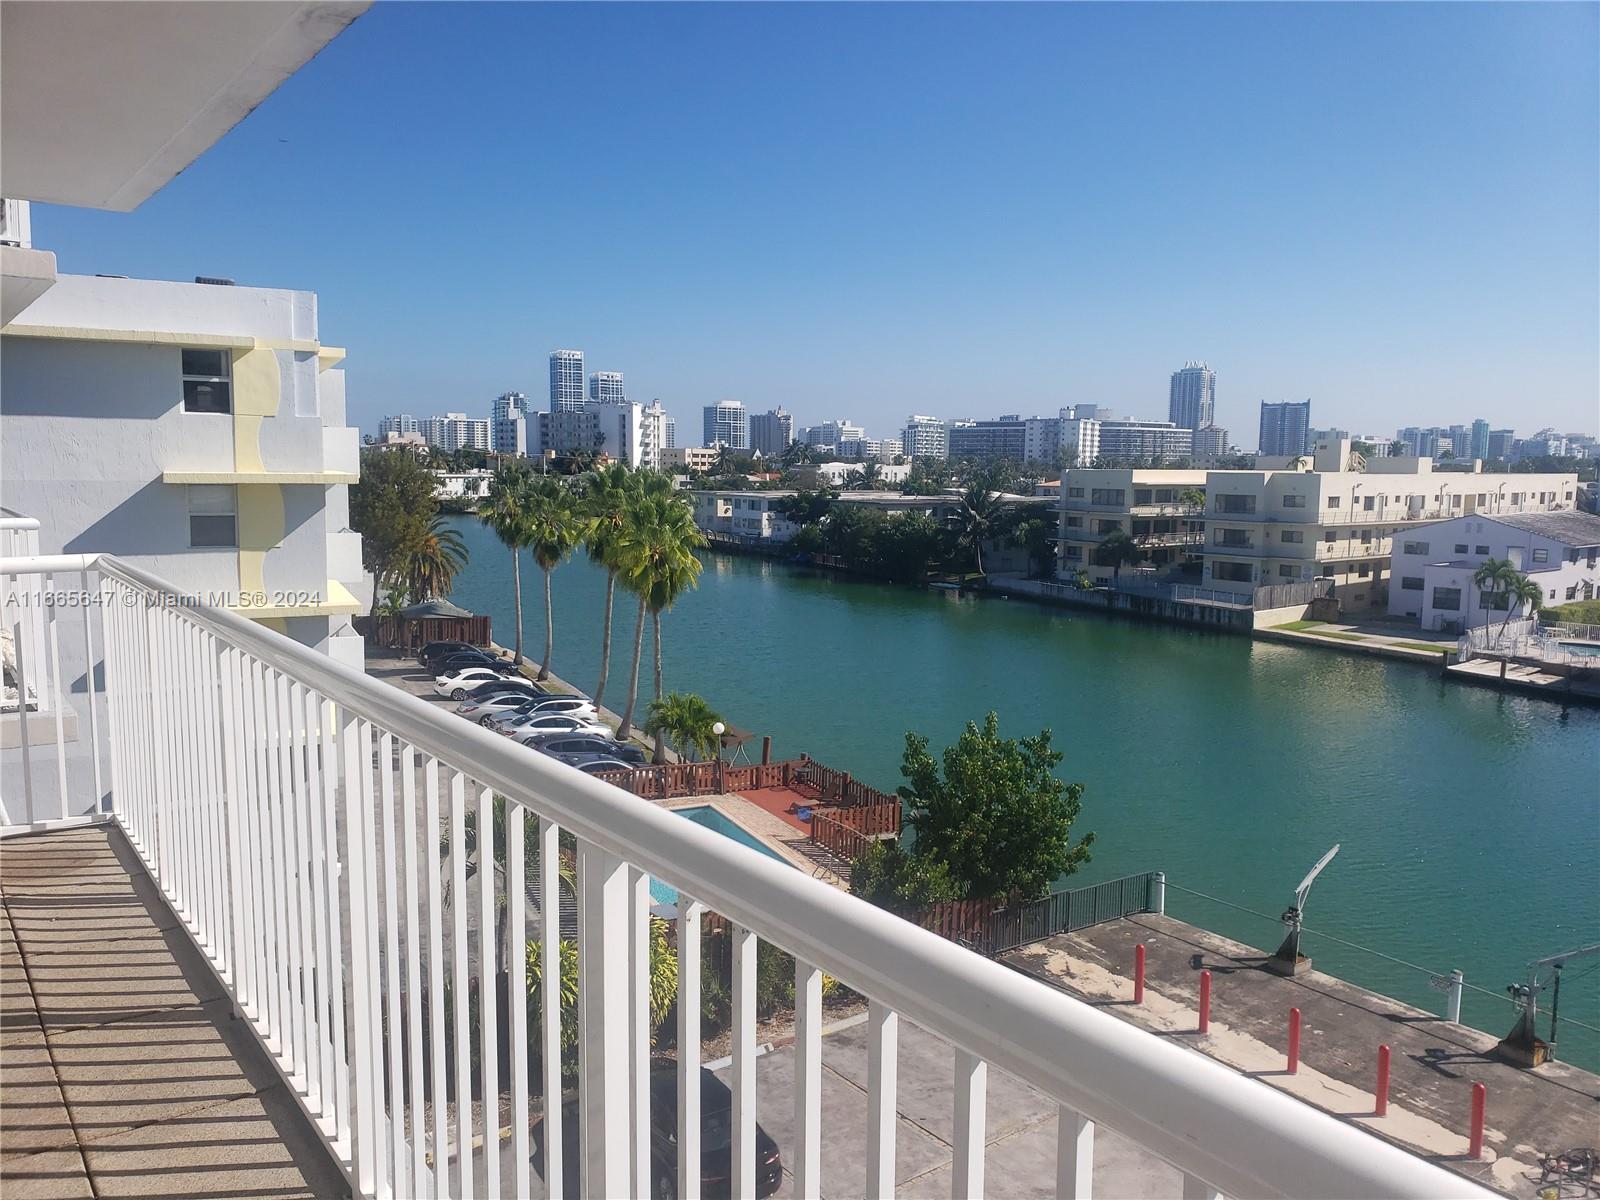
x,y
1428,647
1299,626
1311,628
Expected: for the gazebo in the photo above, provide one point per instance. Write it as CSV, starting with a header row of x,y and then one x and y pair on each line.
x,y
431,621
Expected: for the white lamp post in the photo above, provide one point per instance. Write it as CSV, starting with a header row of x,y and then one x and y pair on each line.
x,y
719,729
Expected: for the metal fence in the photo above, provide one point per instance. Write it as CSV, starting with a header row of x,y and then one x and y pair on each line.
x,y
1069,911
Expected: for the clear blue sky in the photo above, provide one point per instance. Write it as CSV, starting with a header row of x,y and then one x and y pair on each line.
x,y
866,211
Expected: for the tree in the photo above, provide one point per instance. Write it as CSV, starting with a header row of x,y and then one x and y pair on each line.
x,y
927,477
432,563
903,882
804,507
687,720
1037,536
1192,498
507,514
996,816
610,492
658,549
555,526
1494,576
977,515
1524,593
391,507
866,477
1117,550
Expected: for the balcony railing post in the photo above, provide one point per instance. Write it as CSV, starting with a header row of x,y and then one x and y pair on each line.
x,y
605,1116
883,1026
807,1081
1074,1156
689,1157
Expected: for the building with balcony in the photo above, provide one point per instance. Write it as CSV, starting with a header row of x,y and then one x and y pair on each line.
x,y
1285,429
1431,568
1003,437
457,431
925,437
1163,511
606,387
566,381
654,434
1191,401
1155,441
198,430
401,424
726,423
1327,520
689,458
771,431
744,516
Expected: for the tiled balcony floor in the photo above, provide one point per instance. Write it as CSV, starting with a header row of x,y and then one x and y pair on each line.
x,y
122,1071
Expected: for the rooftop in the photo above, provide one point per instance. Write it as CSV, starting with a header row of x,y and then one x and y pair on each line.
x,y
1570,527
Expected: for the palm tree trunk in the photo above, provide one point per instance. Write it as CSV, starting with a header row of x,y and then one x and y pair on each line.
x,y
625,729
516,596
605,641
655,633
977,552
549,628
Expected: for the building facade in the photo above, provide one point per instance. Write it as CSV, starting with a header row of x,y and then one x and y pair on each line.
x,y
457,431
771,432
925,437
654,434
1163,511
726,423
1285,428
197,431
509,419
402,424
689,458
747,516
1432,568
1160,441
1210,441
1191,402
566,380
605,387
618,430
1003,437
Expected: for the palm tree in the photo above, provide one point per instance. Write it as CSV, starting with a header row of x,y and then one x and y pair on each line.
x,y
555,526
434,560
1494,575
688,720
658,550
611,491
506,512
1116,551
1524,593
976,516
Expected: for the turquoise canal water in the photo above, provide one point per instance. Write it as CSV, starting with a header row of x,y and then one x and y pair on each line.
x,y
1469,819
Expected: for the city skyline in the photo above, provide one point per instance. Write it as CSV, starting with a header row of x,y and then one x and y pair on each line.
x,y
1406,228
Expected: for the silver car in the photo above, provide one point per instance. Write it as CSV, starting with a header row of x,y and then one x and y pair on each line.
x,y
511,720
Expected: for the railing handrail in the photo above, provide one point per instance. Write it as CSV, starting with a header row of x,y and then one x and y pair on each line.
x,y
1240,1136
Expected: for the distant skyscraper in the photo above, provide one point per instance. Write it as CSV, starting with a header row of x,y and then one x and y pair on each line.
x,y
727,424
654,434
606,387
1210,441
510,404
566,381
671,441
771,432
1478,441
1285,429
402,424
1500,443
925,437
1192,400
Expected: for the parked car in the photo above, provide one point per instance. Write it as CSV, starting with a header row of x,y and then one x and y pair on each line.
x,y
539,706
492,703
436,651
574,723
460,662
602,763
573,749
716,1142
458,684
520,684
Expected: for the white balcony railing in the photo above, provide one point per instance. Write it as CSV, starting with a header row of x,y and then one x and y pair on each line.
x,y
319,834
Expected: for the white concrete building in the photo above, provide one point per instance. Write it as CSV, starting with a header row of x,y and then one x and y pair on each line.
x,y
1432,568
618,430
566,380
463,485
197,431
654,435
402,424
688,458
834,474
457,431
606,387
726,423
925,437
1159,510
749,516
1287,524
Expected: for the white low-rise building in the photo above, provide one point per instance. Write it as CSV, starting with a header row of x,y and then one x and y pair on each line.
x,y
196,430
1432,569
462,485
749,516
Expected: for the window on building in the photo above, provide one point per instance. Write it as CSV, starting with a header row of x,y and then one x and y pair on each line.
x,y
1074,493
1416,547
1142,496
1072,553
1364,570
1285,571
1411,583
1292,535
1233,537
1572,592
1074,522
1294,501
1447,599
1335,501
213,515
1541,556
1498,601
207,387
1329,537
1230,502
1106,496
1236,572
1480,549
1104,527
1461,548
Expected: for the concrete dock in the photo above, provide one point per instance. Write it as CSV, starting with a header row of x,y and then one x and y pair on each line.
x,y
1434,1062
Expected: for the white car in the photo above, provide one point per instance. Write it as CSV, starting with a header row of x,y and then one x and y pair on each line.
x,y
511,720
457,686
478,708
534,726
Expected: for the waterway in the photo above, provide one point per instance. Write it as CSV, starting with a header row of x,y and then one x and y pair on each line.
x,y
1469,820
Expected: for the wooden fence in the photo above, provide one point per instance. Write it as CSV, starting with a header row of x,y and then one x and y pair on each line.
x,y
838,838
399,633
803,775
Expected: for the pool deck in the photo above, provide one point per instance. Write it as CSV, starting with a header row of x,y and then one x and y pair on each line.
x,y
1524,677
1434,1062
784,838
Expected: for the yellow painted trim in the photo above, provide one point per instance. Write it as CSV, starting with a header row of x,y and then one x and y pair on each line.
x,y
169,337
339,602
329,356
261,529
257,395
279,478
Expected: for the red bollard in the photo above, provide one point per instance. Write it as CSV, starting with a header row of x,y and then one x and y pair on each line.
x,y
1138,973
1294,1040
1205,1001
1381,1108
1475,1139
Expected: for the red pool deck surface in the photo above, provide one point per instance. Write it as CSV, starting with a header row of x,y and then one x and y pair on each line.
x,y
782,803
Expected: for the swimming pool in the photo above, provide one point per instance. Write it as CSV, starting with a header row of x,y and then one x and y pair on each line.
x,y
665,893
1586,649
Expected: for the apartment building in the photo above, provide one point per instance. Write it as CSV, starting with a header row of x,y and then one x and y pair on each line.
x,y
771,431
606,387
1004,437
402,423
654,434
1162,511
1288,524
689,458
1432,568
457,431
925,437
566,380
748,516
1156,440
197,431
726,423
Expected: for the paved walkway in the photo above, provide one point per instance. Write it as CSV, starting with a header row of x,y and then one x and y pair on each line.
x,y
123,1073
1434,1063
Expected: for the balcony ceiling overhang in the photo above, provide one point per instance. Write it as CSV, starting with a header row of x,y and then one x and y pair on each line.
x,y
104,103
